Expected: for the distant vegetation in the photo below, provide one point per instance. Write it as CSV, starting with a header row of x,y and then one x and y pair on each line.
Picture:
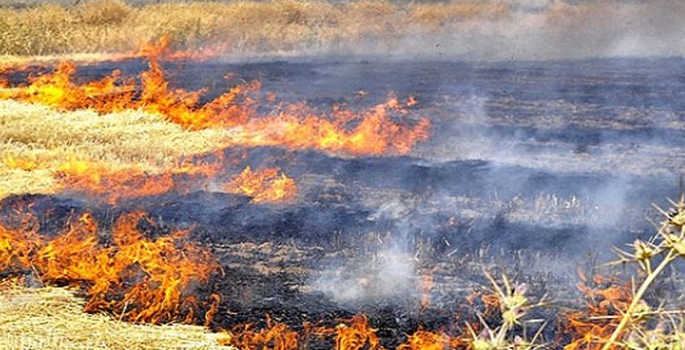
x,y
240,26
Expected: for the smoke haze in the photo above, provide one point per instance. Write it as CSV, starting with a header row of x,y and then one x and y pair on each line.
x,y
531,30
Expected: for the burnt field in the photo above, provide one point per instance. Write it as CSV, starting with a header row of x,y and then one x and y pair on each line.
x,y
533,169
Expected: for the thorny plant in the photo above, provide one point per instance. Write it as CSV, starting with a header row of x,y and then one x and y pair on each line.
x,y
652,257
513,306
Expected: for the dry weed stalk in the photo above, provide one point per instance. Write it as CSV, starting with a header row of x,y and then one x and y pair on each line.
x,y
666,246
513,306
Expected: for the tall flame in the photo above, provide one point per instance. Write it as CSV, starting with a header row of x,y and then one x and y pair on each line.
x,y
137,278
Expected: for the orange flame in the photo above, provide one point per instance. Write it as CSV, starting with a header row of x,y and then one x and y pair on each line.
x,y
424,340
264,186
18,163
591,328
57,90
161,50
276,336
230,109
374,132
114,94
17,248
139,279
100,181
359,335
371,133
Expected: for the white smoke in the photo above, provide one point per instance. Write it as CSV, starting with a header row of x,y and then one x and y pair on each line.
x,y
389,273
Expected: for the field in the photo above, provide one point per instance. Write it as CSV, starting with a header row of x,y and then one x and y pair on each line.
x,y
246,27
353,175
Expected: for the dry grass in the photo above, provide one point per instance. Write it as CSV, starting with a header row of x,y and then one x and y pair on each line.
x,y
245,26
52,318
35,141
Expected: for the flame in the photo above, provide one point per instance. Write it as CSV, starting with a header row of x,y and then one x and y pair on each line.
x,y
100,181
276,336
264,185
115,94
424,340
56,89
230,109
359,335
17,248
591,328
374,132
137,278
12,162
158,50
161,50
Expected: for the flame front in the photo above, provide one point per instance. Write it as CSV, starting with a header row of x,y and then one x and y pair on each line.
x,y
373,132
137,278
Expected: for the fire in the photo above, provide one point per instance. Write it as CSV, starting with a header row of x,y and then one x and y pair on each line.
x,y
424,340
355,336
591,328
374,132
359,335
161,50
57,90
153,95
230,109
137,278
19,163
264,185
100,181
143,279
16,248
276,336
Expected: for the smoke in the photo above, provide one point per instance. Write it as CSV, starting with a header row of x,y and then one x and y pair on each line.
x,y
553,164
526,30
387,274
